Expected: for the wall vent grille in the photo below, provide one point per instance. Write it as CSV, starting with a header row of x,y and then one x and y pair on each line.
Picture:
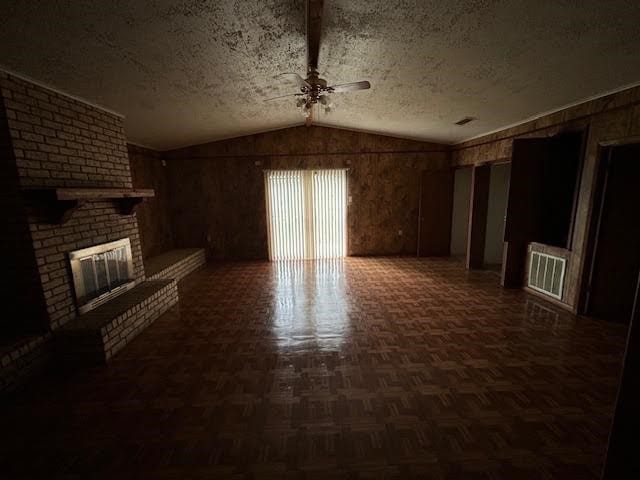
x,y
546,274
464,120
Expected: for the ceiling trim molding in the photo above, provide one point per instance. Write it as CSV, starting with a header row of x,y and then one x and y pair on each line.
x,y
381,134
59,91
231,137
142,145
295,125
550,112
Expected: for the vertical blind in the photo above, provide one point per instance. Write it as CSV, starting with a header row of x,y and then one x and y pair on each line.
x,y
306,213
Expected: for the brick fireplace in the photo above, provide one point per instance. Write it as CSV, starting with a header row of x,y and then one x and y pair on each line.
x,y
67,190
58,141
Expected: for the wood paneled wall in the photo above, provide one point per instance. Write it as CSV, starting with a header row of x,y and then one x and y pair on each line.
x,y
154,221
615,117
217,189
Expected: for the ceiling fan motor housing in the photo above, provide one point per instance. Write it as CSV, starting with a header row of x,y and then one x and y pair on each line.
x,y
317,86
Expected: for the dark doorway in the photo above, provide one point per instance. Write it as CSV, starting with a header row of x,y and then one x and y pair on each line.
x,y
436,198
616,251
542,200
460,211
496,215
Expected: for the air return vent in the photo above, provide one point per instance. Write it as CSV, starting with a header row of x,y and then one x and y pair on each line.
x,y
465,120
546,274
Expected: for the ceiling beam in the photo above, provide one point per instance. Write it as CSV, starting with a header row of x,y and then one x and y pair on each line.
x,y
314,32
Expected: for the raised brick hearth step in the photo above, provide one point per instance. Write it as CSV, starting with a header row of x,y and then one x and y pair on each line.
x,y
97,335
175,264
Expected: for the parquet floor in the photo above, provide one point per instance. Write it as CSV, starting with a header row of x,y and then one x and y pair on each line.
x,y
363,368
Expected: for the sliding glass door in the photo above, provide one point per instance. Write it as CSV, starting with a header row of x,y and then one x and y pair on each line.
x,y
306,213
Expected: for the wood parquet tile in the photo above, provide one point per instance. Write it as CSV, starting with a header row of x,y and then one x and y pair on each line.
x,y
362,368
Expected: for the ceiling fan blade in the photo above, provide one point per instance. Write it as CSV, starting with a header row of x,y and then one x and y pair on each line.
x,y
283,96
295,78
314,30
349,87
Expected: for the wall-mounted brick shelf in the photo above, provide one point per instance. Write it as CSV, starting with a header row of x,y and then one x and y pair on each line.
x,y
97,335
175,264
58,204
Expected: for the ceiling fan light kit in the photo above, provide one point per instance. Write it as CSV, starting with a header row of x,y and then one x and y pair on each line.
x,y
313,89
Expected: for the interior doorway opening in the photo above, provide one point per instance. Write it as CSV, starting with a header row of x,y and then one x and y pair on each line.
x,y
460,212
496,215
543,198
306,214
615,239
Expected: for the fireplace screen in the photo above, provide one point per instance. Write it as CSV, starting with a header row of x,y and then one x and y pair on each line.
x,y
101,272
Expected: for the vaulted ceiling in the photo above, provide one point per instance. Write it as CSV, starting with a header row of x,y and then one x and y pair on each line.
x,y
187,72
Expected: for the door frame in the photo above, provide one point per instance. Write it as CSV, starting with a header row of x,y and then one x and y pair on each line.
x,y
449,172
492,164
603,157
475,263
454,169
307,190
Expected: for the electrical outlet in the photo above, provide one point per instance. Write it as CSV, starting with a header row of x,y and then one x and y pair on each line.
x,y
399,233
258,163
164,163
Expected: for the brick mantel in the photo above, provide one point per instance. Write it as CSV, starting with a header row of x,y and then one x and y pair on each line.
x,y
58,204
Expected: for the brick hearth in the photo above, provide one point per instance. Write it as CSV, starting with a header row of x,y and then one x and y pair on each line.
x,y
51,141
99,334
175,264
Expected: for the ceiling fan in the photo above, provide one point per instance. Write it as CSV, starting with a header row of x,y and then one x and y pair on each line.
x,y
313,89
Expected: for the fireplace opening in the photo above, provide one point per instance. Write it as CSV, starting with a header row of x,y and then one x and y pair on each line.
x,y
101,272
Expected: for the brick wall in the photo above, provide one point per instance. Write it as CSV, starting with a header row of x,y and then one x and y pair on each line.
x,y
23,360
59,141
24,311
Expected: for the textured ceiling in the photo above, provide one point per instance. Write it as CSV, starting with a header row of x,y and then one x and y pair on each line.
x,y
193,71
